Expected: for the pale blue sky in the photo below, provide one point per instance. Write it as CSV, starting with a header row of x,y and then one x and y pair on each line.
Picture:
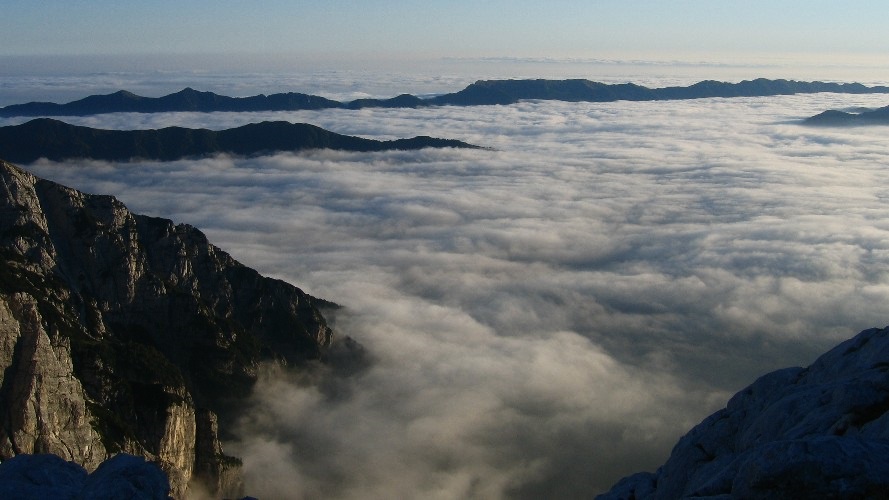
x,y
397,28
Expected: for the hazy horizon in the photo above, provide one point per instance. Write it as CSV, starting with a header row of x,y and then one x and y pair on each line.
x,y
460,40
64,38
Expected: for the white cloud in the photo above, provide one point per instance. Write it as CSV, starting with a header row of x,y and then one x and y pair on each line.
x,y
546,316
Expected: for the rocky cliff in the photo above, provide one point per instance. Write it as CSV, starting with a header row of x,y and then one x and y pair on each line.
x,y
126,333
816,432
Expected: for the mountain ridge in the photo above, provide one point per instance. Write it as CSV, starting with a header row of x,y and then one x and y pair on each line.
x,y
56,140
481,92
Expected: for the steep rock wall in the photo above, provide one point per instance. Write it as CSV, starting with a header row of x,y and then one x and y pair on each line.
x,y
816,432
127,333
44,405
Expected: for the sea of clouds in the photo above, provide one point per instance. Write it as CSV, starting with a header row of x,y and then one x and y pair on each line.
x,y
544,316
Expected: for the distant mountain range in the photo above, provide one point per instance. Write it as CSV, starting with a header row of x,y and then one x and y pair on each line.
x,y
511,91
57,140
482,92
878,116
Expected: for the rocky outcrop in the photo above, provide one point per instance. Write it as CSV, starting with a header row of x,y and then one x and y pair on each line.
x,y
126,333
27,477
219,474
816,432
44,405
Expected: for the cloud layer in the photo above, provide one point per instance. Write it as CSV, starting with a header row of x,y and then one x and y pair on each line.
x,y
545,317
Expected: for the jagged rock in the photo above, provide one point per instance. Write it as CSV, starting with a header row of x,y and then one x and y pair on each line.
x,y
122,333
44,405
28,477
816,432
218,473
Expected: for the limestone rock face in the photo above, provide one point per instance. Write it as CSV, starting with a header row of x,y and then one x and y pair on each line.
x,y
219,474
121,332
816,432
44,405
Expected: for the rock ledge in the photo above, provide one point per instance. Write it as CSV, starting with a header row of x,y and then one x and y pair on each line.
x,y
816,432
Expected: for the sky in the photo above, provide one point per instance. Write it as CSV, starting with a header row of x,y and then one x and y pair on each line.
x,y
381,30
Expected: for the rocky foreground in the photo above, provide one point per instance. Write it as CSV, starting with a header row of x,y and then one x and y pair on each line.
x,y
126,333
803,433
46,476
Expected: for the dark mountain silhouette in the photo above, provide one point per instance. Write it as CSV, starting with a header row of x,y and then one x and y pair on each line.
x,y
402,101
763,87
878,116
187,99
510,91
56,140
482,92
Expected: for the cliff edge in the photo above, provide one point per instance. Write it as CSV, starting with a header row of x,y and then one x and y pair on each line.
x,y
126,333
805,433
